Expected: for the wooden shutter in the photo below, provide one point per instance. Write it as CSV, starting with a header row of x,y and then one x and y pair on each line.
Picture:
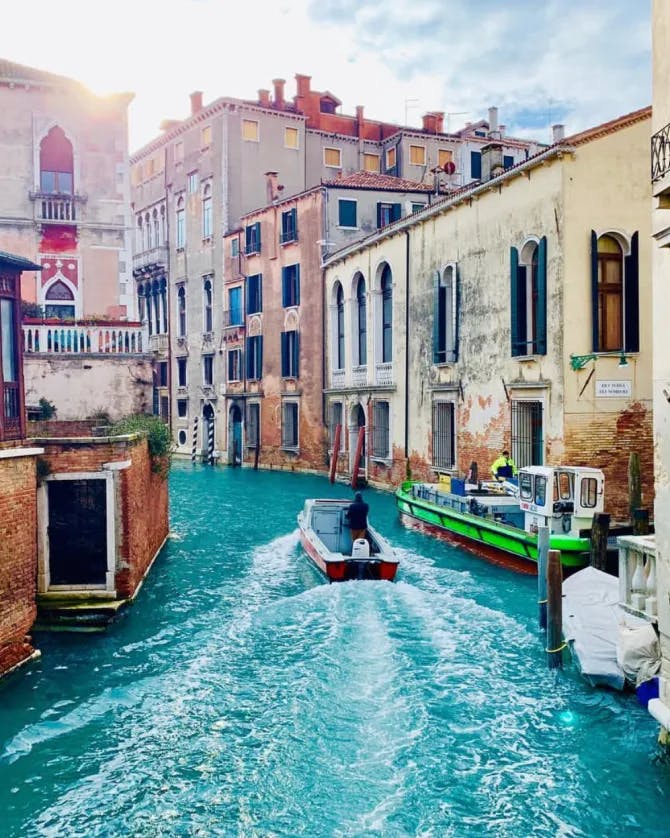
x,y
436,318
514,299
632,297
296,354
284,355
541,314
297,285
396,211
284,287
595,342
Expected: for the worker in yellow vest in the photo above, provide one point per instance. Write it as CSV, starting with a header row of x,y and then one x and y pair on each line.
x,y
504,467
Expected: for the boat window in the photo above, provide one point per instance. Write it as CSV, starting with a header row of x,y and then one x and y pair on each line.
x,y
540,490
555,494
525,485
589,492
564,485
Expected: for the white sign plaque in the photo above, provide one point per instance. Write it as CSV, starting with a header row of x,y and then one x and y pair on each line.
x,y
614,389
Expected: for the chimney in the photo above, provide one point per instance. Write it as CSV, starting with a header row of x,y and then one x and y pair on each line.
x,y
558,133
428,123
271,186
493,122
360,120
264,98
302,84
279,93
492,161
196,101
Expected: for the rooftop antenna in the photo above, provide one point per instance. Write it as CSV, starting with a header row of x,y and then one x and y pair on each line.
x,y
408,106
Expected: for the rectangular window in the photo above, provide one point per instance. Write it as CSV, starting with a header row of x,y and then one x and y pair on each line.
x,y
207,216
390,158
417,155
178,153
192,183
254,357
445,313
444,156
254,293
417,207
444,435
206,137
181,228
508,161
476,165
347,213
250,130
380,430
527,433
181,372
289,226
8,345
588,496
162,374
332,157
234,365
371,162
182,408
290,358
253,238
253,424
290,285
207,370
235,315
291,137
289,425
234,248
386,213
56,183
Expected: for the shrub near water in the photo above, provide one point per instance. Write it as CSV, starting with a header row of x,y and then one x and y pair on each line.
x,y
157,434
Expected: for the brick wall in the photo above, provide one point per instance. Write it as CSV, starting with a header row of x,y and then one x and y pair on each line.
x,y
18,558
56,428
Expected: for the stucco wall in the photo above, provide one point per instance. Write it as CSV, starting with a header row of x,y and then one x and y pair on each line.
x,y
84,385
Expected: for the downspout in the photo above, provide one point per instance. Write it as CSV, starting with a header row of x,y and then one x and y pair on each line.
x,y
324,307
406,345
168,295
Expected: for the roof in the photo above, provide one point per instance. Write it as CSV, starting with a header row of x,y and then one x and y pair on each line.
x,y
608,127
372,180
11,261
10,71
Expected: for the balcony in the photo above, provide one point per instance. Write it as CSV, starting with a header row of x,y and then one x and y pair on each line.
x,y
72,339
159,344
337,379
384,374
359,376
49,208
233,319
660,161
150,261
11,420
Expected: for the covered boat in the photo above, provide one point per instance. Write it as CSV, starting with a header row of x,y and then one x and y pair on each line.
x,y
326,536
502,519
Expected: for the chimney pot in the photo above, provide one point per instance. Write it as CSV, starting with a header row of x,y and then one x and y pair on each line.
x,y
264,98
279,92
302,84
558,132
196,101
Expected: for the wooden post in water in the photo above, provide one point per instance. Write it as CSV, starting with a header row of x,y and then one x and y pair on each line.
x,y
542,559
640,522
257,452
357,457
555,643
335,453
599,531
634,484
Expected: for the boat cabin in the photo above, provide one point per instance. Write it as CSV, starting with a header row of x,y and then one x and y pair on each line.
x,y
563,498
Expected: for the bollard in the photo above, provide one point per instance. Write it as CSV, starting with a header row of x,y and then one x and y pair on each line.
x,y
542,557
555,644
194,446
599,531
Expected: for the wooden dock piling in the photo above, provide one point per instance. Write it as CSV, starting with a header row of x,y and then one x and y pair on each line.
x,y
634,484
640,522
542,559
555,643
599,532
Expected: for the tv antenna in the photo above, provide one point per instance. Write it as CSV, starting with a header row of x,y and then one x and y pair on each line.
x,y
408,106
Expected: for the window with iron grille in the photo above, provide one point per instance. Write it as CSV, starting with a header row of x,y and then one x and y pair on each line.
x,y
335,420
253,424
444,435
289,425
380,430
527,433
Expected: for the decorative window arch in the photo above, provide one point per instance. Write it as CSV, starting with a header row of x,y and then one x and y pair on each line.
x,y
140,234
56,163
181,311
615,292
528,294
59,300
148,229
207,305
360,291
338,330
140,302
446,315
156,226
386,319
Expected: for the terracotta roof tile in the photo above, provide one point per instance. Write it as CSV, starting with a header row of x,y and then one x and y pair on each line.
x,y
373,180
607,127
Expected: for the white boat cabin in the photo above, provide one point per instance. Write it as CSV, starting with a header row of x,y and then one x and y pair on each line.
x,y
563,498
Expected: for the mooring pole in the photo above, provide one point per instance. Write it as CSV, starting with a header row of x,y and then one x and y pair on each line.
x,y
555,643
634,484
257,452
640,522
542,559
599,531
336,452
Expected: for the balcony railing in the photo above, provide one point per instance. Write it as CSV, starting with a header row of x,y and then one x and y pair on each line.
x,y
384,374
56,209
660,154
55,339
359,376
233,319
337,379
11,421
156,258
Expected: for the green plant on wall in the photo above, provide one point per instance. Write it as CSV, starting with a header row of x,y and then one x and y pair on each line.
x,y
157,434
47,409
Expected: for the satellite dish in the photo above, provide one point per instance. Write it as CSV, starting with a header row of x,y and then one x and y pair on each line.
x,y
449,167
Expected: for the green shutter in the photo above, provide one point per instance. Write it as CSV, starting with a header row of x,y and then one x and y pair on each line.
x,y
259,291
396,212
541,313
260,356
379,214
284,290
514,297
258,236
297,285
296,355
632,297
595,331
436,318
249,357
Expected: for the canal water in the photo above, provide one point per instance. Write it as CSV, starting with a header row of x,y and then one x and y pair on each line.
x,y
243,696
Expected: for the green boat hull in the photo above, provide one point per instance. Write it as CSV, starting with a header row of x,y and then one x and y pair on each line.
x,y
491,534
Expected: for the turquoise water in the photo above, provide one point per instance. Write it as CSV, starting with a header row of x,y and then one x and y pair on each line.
x,y
243,696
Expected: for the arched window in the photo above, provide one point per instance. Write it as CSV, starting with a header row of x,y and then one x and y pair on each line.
x,y
150,309
155,293
140,302
149,231
207,212
339,351
529,298
59,301
610,294
181,312
181,224
387,315
207,305
140,235
361,311
157,229
56,163
445,324
163,293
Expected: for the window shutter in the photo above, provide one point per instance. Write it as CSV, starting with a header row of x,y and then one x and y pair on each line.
x,y
296,355
249,357
457,314
594,292
541,314
632,298
514,299
284,355
379,214
259,291
259,367
436,318
294,222
258,236
247,300
297,285
395,212
284,290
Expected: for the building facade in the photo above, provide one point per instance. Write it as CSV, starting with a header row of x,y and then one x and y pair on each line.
x,y
511,314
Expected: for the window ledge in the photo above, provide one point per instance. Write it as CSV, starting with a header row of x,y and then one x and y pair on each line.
x,y
384,461
291,449
342,227
524,359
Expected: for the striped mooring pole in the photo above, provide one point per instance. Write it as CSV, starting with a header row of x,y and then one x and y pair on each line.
x,y
194,447
210,441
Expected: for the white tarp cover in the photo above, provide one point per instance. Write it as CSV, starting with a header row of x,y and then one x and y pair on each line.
x,y
592,618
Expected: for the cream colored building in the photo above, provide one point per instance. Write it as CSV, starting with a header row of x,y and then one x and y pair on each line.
x,y
515,314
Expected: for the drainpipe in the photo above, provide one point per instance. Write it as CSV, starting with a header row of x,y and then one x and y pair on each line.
x,y
406,344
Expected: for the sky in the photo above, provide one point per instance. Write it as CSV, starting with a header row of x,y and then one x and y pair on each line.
x,y
578,62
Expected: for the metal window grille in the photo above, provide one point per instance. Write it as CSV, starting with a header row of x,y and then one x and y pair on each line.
x,y
527,433
444,435
380,430
289,429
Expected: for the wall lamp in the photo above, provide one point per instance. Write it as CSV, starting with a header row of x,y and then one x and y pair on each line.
x,y
578,362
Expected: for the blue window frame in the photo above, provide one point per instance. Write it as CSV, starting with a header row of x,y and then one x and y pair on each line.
x,y
289,226
347,213
254,293
235,306
253,238
255,357
290,359
476,165
361,310
290,285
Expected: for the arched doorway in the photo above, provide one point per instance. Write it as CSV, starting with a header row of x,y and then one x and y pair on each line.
x,y
208,433
235,436
356,422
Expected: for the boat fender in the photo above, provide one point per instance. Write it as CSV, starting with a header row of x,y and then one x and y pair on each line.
x,y
566,523
476,508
